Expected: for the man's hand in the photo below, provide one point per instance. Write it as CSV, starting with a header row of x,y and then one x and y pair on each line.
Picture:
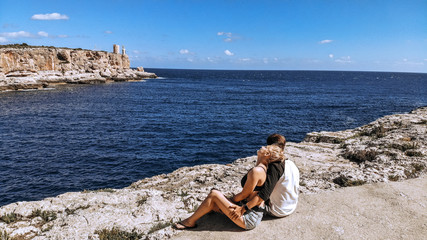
x,y
236,212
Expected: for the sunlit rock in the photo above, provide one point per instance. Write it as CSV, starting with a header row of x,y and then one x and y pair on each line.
x,y
392,148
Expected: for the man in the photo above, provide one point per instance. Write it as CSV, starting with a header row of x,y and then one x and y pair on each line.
x,y
284,196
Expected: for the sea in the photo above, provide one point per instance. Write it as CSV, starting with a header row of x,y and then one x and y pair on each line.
x,y
86,137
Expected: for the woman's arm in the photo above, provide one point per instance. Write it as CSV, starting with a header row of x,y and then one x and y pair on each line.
x,y
254,176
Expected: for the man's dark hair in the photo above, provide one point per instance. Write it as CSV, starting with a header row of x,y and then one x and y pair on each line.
x,y
277,139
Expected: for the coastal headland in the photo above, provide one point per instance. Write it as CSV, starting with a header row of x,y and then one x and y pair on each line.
x,y
363,183
35,67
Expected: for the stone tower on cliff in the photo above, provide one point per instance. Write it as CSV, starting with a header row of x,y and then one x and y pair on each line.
x,y
116,49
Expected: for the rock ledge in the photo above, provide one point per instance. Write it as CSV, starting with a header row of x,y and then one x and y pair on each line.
x,y
392,148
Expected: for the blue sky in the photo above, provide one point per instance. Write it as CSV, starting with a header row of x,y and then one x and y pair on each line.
x,y
371,35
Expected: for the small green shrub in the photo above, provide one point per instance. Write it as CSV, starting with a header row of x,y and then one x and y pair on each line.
x,y
71,211
414,170
10,218
404,146
47,216
361,156
376,132
117,234
392,155
4,235
36,213
413,153
393,178
418,166
183,193
142,200
343,181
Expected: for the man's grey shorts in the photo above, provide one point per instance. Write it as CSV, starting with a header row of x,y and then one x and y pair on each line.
x,y
253,217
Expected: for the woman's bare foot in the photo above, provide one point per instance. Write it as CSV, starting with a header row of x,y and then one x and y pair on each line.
x,y
182,225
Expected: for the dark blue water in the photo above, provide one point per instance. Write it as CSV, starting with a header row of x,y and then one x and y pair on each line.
x,y
78,137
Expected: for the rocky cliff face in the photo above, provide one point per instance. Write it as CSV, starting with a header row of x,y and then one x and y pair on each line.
x,y
392,148
26,67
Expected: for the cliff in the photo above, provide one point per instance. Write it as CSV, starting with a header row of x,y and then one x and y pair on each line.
x,y
388,150
29,67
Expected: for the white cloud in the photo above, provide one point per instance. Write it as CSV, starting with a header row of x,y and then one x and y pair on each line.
x,y
184,51
228,53
245,59
265,60
50,16
43,34
409,62
228,34
108,32
343,60
229,37
190,59
331,55
3,39
24,34
16,34
210,59
326,41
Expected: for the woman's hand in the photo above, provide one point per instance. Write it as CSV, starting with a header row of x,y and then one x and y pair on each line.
x,y
236,212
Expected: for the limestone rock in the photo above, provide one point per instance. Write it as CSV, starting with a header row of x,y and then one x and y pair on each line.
x,y
36,67
391,148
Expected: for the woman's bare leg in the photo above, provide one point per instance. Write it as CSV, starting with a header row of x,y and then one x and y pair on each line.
x,y
214,201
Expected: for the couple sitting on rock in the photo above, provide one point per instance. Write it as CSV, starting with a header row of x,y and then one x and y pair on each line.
x,y
270,187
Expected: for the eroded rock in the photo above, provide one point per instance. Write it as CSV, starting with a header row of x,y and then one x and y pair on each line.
x,y
391,148
28,67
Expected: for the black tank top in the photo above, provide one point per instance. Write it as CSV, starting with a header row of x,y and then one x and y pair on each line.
x,y
245,178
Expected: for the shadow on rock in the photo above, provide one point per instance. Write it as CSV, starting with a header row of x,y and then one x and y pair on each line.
x,y
216,222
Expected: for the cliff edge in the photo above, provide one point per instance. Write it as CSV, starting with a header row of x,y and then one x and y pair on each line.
x,y
31,67
381,156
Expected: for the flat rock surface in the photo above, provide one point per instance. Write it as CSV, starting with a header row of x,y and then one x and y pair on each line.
x,y
393,210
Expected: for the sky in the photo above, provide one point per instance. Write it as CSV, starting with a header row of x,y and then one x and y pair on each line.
x,y
353,35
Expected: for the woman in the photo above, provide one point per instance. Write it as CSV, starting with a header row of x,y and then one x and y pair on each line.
x,y
246,216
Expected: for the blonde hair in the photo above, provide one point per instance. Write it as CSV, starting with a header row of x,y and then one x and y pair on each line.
x,y
276,153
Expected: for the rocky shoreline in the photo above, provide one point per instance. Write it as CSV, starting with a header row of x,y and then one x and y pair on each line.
x,y
32,67
392,148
